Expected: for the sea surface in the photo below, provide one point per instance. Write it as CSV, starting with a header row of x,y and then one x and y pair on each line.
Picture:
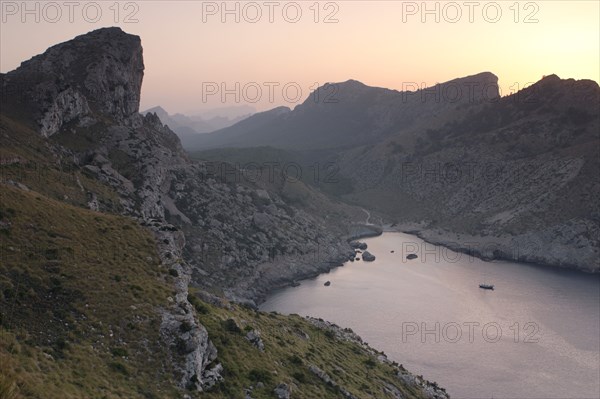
x,y
536,335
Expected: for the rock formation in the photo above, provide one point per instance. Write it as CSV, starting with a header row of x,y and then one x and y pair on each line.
x,y
231,236
96,74
368,257
508,177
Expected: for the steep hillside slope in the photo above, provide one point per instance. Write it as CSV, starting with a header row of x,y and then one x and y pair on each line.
x,y
105,224
80,315
517,179
80,301
512,178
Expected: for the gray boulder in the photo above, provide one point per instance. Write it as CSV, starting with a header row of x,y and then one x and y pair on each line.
x,y
368,257
254,338
358,245
283,391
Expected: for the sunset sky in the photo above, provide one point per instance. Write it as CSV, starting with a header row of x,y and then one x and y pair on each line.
x,y
188,48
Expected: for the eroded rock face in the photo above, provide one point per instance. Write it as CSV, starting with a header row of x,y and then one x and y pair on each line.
x,y
236,237
97,73
94,81
180,330
511,181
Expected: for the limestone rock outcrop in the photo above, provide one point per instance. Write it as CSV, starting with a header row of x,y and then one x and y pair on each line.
x,y
236,237
99,73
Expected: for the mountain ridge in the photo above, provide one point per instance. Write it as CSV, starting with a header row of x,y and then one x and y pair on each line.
x,y
538,141
188,128
76,146
358,113
539,147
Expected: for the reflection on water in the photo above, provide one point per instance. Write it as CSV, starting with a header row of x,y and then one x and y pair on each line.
x,y
535,336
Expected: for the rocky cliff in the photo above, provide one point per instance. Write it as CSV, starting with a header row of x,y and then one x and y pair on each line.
x,y
219,232
504,177
96,74
90,86
511,180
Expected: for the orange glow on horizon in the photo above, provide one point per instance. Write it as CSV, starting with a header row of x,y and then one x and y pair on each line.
x,y
380,43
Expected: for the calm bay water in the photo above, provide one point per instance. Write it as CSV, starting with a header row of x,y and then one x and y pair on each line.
x,y
537,335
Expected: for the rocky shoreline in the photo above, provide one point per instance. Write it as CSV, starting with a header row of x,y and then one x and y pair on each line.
x,y
521,249
358,231
231,237
291,270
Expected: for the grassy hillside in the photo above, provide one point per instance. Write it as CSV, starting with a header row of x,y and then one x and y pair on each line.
x,y
78,318
291,345
27,158
81,291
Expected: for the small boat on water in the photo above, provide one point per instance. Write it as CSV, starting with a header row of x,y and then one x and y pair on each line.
x,y
486,286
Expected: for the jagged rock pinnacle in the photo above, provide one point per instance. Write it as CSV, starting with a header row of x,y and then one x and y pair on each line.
x,y
98,73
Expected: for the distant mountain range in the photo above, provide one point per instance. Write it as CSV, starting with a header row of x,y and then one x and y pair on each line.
x,y
128,269
455,162
188,127
350,113
123,263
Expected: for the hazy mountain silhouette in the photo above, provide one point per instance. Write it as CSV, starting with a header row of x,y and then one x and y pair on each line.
x,y
188,127
351,113
112,239
520,168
